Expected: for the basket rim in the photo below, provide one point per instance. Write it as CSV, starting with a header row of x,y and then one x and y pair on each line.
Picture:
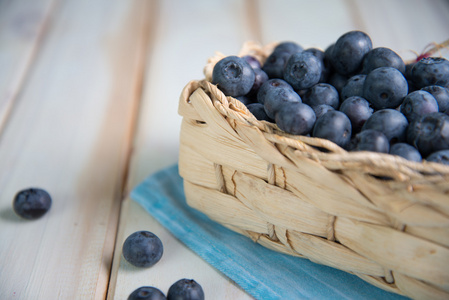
x,y
312,147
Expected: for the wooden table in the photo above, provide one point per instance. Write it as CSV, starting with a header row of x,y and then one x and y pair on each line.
x,y
88,108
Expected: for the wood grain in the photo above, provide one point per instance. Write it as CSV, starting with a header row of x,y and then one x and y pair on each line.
x,y
69,133
23,24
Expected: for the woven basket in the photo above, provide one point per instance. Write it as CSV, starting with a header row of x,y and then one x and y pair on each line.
x,y
378,216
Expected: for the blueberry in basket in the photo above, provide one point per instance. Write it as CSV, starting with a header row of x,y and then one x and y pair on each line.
x,y
385,87
321,109
32,203
349,50
322,93
441,157
370,140
296,118
353,87
271,84
142,249
275,98
185,289
429,133
390,122
326,65
303,70
418,103
258,110
440,94
233,76
275,63
147,293
252,61
260,78
358,111
406,151
334,126
431,71
382,57
338,81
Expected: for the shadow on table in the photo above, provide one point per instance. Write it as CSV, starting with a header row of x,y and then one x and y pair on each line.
x,y
9,215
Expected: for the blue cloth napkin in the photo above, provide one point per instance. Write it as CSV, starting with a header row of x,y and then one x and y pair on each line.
x,y
263,273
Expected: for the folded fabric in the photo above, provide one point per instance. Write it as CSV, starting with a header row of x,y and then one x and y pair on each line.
x,y
263,273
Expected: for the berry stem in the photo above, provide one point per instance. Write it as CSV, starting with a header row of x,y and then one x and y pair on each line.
x,y
434,48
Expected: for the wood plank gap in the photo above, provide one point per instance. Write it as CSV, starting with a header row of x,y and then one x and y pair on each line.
x,y
30,59
115,233
354,11
253,15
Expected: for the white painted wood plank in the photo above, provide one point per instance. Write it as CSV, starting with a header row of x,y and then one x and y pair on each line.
x,y
309,23
22,25
70,134
405,25
186,35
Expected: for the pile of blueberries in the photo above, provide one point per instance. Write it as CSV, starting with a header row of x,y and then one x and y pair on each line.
x,y
359,97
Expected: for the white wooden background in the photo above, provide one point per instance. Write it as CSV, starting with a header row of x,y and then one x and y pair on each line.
x,y
88,108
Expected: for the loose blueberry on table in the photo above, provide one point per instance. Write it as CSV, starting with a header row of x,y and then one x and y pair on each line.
x,y
406,102
185,289
142,249
147,293
32,203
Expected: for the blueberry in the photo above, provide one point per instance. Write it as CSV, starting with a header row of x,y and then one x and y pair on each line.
x,y
328,57
142,249
358,111
322,93
233,76
275,63
382,57
288,46
406,151
338,81
326,66
318,53
441,157
303,70
276,98
147,293
385,87
353,87
32,203
431,71
429,133
408,76
334,126
321,109
390,122
269,85
370,140
185,289
441,94
296,118
349,50
408,70
258,110
260,78
418,103
252,61
247,100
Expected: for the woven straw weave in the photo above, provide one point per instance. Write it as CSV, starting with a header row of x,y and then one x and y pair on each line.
x,y
378,216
